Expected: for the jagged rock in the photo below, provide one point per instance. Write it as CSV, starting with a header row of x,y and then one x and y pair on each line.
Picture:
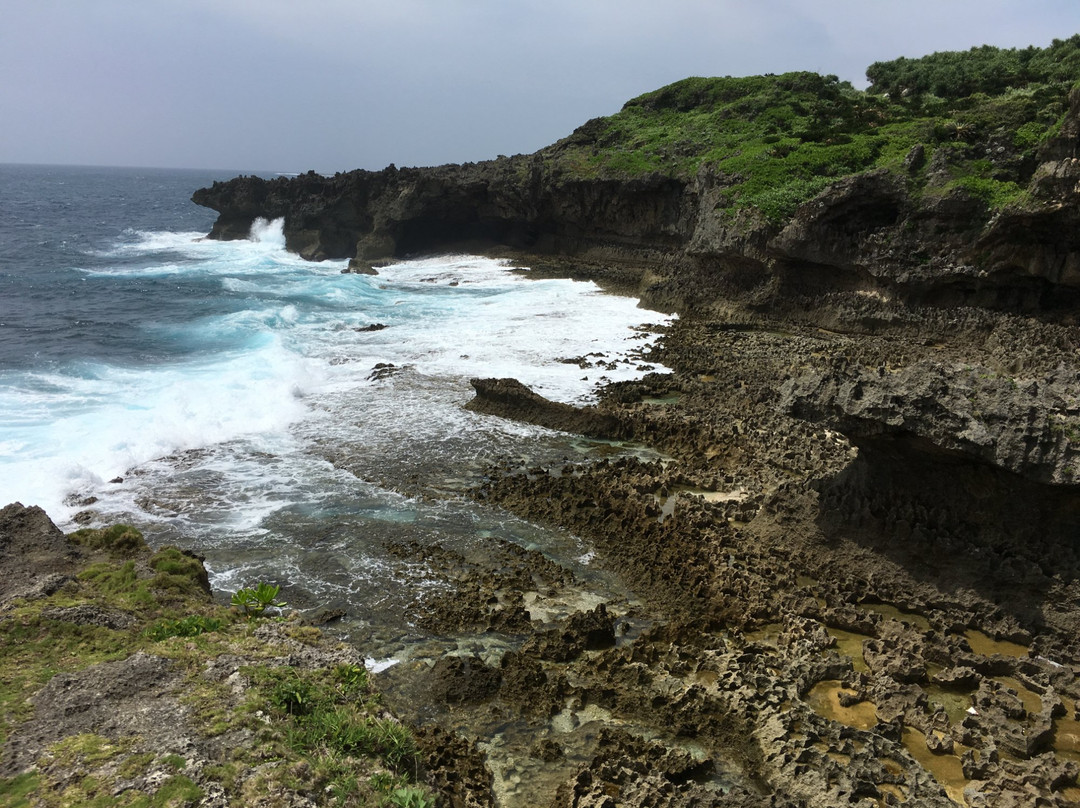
x,y
961,678
455,768
580,632
1024,426
509,398
463,679
35,556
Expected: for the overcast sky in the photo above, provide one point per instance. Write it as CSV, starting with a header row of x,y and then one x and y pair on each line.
x,y
285,85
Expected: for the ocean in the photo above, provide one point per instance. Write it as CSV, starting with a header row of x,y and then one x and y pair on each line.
x,y
231,398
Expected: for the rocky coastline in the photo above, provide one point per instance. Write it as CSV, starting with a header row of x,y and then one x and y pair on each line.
x,y
860,558
855,562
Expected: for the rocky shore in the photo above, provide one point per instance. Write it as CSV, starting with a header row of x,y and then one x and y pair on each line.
x,y
858,558
853,557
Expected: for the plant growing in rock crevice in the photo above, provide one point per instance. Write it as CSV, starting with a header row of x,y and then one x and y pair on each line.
x,y
253,602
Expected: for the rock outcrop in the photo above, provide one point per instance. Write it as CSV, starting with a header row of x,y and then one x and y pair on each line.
x,y
871,232
509,398
1024,426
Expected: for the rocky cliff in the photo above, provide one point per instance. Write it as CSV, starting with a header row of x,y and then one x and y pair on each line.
x,y
907,231
874,412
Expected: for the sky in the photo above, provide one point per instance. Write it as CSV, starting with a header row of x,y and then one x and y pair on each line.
x,y
332,85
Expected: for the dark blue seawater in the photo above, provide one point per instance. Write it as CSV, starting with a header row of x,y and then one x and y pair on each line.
x,y
58,225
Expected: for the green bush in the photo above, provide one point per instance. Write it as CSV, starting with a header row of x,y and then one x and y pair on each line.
x,y
353,680
178,572
773,142
983,69
291,694
995,193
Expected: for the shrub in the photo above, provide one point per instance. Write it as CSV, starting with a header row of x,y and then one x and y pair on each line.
x,y
178,571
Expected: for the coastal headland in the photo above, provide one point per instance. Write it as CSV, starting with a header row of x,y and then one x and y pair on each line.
x,y
856,563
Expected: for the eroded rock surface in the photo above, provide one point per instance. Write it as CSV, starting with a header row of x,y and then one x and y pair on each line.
x,y
855,571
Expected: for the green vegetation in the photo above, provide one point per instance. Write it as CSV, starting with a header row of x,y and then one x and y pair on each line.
x,y
776,141
985,69
120,539
16,792
254,602
317,732
191,626
327,715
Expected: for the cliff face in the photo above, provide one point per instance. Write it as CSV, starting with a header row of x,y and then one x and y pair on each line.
x,y
512,202
874,231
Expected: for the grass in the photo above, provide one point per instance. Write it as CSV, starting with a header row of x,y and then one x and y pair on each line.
x,y
321,733
331,720
777,141
332,714
190,626
15,792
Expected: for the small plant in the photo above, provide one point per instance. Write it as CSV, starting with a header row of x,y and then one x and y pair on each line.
x,y
292,694
175,762
253,602
344,786
353,679
395,742
191,626
382,782
410,797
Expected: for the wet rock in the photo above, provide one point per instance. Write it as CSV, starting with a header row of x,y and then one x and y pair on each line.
x,y
526,682
640,774
383,370
324,616
509,398
580,632
547,750
458,680
455,768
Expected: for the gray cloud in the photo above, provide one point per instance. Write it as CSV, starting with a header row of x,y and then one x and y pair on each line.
x,y
339,84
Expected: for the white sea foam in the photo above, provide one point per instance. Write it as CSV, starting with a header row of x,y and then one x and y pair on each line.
x,y
380,665
89,430
263,253
269,232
